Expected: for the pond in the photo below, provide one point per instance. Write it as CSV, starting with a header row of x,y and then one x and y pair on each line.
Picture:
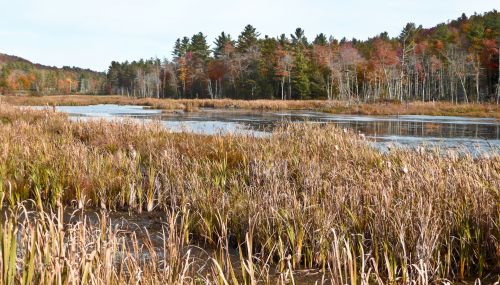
x,y
479,135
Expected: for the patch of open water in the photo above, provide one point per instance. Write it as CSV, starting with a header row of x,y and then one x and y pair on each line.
x,y
478,135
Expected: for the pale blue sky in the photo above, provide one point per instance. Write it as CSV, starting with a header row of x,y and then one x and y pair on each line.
x,y
92,33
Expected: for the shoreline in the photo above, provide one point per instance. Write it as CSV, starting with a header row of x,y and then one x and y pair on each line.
x,y
482,110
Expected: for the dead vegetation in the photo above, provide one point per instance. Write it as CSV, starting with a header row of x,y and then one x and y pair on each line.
x,y
306,198
334,107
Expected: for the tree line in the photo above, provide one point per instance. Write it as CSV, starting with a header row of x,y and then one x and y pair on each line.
x,y
19,76
457,61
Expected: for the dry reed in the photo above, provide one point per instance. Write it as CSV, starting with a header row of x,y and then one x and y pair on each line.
x,y
307,198
335,107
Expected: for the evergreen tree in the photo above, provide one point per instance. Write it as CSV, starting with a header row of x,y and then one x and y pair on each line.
x,y
220,44
199,46
408,33
181,47
384,36
299,38
283,40
300,79
247,39
320,40
113,75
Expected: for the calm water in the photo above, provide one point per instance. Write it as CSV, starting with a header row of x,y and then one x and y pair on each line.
x,y
477,134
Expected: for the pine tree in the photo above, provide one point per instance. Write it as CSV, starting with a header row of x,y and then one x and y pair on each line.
x,y
181,47
199,46
221,42
408,34
247,39
299,38
320,40
300,79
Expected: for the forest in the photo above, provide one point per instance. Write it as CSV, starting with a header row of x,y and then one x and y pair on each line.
x,y
455,61
22,77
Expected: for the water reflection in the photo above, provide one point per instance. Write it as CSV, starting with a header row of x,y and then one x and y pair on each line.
x,y
480,134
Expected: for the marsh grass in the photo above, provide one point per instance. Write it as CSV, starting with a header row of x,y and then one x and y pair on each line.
x,y
334,107
308,198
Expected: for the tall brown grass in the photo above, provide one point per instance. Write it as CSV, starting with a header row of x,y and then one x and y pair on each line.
x,y
335,107
306,199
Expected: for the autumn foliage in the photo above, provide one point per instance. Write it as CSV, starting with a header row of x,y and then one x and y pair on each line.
x,y
456,62
19,76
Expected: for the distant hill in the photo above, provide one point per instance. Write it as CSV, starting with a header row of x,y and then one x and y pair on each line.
x,y
21,77
5,58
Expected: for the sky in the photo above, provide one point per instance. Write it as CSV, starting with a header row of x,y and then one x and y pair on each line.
x,y
92,33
